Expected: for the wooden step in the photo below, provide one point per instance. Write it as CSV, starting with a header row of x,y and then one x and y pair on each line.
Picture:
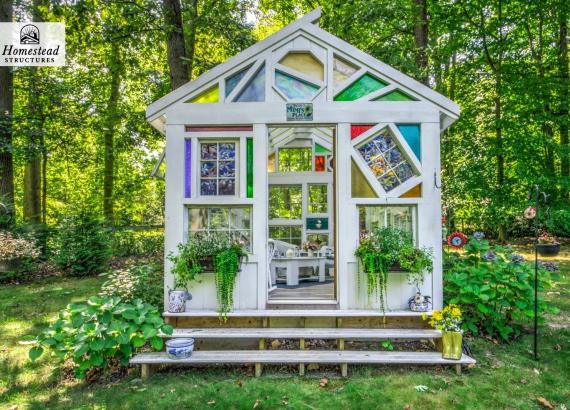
x,y
299,313
307,333
259,357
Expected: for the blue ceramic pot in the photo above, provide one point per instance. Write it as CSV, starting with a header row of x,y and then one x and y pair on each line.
x,y
177,300
179,348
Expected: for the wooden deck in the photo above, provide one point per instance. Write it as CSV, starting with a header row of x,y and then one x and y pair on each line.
x,y
299,313
308,292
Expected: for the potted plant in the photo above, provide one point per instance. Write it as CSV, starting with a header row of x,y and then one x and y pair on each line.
x,y
13,250
310,248
208,253
389,249
448,320
547,245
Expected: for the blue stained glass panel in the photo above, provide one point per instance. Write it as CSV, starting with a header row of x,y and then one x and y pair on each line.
x,y
233,80
293,88
254,91
412,135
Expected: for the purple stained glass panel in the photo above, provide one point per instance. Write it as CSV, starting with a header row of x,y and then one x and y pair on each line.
x,y
227,187
227,169
188,168
227,151
208,169
209,151
208,187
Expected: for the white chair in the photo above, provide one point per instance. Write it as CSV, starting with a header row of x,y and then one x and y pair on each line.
x,y
328,253
271,279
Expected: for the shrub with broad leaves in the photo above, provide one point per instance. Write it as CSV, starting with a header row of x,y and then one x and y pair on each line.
x,y
495,290
144,282
103,329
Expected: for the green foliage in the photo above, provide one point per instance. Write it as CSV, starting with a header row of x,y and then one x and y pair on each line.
x,y
81,245
137,243
495,290
144,282
91,334
381,250
227,264
558,222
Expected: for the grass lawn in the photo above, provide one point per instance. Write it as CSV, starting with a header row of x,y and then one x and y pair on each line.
x,y
506,376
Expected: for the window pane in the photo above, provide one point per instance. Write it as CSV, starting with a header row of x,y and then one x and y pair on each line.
x,y
289,234
221,222
295,160
285,201
374,217
318,200
198,219
240,218
219,218
321,239
218,168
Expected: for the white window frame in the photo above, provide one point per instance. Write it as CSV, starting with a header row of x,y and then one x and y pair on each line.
x,y
414,214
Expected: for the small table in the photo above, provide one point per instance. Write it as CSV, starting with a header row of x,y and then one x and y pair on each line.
x,y
293,264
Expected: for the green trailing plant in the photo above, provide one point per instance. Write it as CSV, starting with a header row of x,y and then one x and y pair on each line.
x,y
103,329
495,289
223,253
383,248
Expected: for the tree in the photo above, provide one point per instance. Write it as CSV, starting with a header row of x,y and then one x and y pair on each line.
x,y
420,11
177,59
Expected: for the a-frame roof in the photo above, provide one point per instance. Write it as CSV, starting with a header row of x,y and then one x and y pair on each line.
x,y
305,27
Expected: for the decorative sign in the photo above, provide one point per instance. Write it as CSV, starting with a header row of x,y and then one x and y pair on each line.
x,y
318,224
457,240
299,111
530,213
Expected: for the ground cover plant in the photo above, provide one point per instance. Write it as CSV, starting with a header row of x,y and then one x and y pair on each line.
x,y
42,385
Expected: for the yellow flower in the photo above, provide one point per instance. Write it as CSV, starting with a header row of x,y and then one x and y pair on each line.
x,y
456,312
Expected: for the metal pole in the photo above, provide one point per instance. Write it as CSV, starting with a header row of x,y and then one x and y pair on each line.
x,y
536,274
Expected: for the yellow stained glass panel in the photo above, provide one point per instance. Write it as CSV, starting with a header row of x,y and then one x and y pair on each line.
x,y
360,186
342,70
415,192
304,63
211,95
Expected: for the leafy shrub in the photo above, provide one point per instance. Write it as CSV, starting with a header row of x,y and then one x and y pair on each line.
x,y
81,245
135,243
144,282
103,329
558,223
495,289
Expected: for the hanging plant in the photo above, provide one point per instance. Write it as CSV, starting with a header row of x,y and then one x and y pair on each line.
x,y
380,250
227,265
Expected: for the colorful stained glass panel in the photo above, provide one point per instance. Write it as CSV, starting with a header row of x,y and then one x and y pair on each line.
x,y
360,186
188,168
412,135
249,168
209,96
254,91
358,129
319,149
319,163
395,95
386,160
232,81
293,88
218,168
342,71
361,87
304,63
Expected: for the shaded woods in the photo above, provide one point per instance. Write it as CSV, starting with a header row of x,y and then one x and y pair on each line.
x,y
75,137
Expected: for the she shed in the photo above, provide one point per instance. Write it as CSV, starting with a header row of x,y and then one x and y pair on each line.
x,y
297,146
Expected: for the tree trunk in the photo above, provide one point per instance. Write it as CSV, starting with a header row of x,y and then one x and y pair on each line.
x,y
563,73
421,38
6,108
111,122
177,62
191,38
500,156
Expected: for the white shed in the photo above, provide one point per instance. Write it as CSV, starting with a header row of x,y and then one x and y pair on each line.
x,y
302,138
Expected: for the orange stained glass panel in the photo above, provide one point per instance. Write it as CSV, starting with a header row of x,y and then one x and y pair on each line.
x,y
415,192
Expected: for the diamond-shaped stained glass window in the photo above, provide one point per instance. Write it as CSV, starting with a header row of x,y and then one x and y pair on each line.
x,y
386,160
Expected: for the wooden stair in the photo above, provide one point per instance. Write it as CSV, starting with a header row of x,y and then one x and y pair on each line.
x,y
343,357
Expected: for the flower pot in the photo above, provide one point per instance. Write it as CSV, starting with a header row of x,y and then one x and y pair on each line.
x,y
548,249
177,300
310,253
179,348
9,265
452,345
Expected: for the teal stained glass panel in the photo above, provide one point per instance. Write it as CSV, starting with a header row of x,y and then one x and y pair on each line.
x,y
361,87
254,91
233,80
395,95
411,133
293,88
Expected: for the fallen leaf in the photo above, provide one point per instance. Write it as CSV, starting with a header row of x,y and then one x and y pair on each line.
x,y
324,381
407,407
239,382
524,381
536,371
544,403
421,388
285,400
257,403
557,347
275,344
212,402
312,366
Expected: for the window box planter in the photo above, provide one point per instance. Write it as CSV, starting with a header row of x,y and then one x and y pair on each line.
x,y
548,249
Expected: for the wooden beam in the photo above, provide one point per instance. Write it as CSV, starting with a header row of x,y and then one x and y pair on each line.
x,y
259,366
302,365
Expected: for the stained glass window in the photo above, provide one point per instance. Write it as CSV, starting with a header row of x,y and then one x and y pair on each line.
x,y
234,79
304,63
249,166
295,160
290,234
234,222
360,186
357,129
285,202
293,88
361,87
386,161
320,163
211,95
395,95
188,168
415,192
342,71
254,91
320,149
217,168
411,133
318,199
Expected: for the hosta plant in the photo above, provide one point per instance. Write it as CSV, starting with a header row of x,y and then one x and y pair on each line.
x,y
94,333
